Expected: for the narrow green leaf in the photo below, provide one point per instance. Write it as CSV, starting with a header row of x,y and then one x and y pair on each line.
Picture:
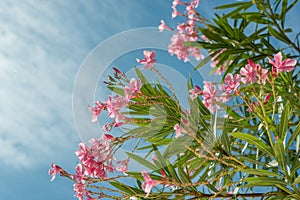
x,y
280,155
203,62
142,161
172,171
283,12
277,35
293,137
232,5
260,172
116,90
125,188
297,180
254,141
262,181
283,126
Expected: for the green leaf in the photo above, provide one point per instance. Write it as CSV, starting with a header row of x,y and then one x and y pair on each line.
x,y
262,181
116,90
280,154
142,161
203,62
283,126
232,5
260,172
277,35
293,137
172,171
297,180
125,188
254,141
283,12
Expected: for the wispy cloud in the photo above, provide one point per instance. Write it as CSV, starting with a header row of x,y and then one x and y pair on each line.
x,y
41,48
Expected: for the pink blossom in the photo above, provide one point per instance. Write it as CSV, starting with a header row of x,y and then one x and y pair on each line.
x,y
210,95
123,167
148,184
114,106
117,71
79,189
175,13
109,137
154,157
182,51
94,157
54,170
84,153
230,83
133,89
194,93
190,11
262,75
149,59
195,3
118,124
79,176
184,121
106,127
282,66
163,26
178,129
250,72
96,110
204,38
175,3
267,97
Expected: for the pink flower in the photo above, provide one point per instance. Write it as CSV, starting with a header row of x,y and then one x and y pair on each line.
x,y
133,89
230,83
282,66
84,153
79,176
175,13
182,51
175,3
96,110
250,72
114,106
267,97
54,170
117,71
210,95
195,3
148,184
123,167
149,59
79,190
106,127
262,75
194,93
178,129
163,26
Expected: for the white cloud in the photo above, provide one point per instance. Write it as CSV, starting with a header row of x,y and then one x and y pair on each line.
x,y
41,48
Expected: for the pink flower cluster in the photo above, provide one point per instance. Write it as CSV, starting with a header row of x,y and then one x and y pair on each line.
x,y
96,159
186,32
114,104
251,73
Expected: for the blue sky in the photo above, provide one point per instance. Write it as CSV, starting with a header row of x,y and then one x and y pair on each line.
x,y
43,45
